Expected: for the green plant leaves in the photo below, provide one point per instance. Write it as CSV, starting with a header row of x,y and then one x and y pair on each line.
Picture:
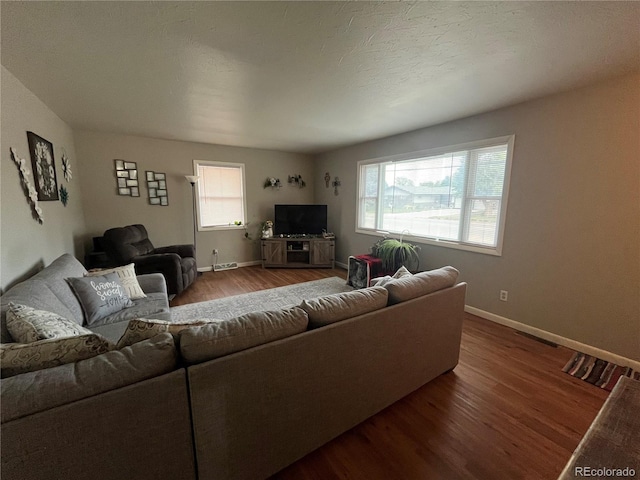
x,y
395,254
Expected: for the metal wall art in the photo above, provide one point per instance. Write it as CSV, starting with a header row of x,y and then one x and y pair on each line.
x,y
66,166
272,182
335,184
43,167
127,178
157,186
297,181
64,195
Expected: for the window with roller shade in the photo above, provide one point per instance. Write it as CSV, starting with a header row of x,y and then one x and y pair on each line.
x,y
220,194
454,196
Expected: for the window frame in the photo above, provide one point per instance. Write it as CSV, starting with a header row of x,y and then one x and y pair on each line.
x,y
509,140
213,163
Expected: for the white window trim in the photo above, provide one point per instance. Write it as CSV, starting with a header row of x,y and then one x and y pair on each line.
x,y
458,245
197,194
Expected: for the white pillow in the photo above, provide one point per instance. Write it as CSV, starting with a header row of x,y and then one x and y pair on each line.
x,y
382,281
27,325
402,272
128,278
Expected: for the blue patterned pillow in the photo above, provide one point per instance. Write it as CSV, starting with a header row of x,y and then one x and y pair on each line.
x,y
100,296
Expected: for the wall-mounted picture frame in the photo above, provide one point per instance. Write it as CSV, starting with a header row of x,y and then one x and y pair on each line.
x,y
157,187
127,178
44,167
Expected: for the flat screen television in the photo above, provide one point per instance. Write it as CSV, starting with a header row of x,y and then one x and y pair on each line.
x,y
299,219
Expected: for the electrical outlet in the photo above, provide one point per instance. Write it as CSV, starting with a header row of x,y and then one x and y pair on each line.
x,y
504,295
215,251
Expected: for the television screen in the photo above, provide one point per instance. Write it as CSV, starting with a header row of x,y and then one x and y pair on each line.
x,y
300,219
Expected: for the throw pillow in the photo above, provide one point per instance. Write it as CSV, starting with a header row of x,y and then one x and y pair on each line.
x,y
382,281
128,278
142,329
17,358
402,272
340,306
26,325
100,296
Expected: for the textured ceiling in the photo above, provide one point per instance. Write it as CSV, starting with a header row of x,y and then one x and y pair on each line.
x,y
305,76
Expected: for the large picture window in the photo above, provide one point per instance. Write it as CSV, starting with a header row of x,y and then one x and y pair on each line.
x,y
455,196
220,194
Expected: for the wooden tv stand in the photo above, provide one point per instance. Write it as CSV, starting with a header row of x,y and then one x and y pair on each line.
x,y
298,252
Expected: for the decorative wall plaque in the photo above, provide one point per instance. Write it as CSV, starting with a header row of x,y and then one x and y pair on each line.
x,y
127,178
43,167
157,186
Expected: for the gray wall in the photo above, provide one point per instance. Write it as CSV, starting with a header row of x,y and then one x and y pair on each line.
x,y
27,245
173,224
571,257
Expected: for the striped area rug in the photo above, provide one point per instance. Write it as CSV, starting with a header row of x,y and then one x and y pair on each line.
x,y
596,371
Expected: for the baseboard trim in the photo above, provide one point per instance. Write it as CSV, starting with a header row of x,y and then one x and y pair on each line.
x,y
256,262
342,265
552,337
243,264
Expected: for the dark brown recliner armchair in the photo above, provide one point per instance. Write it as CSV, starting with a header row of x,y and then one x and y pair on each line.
x,y
131,244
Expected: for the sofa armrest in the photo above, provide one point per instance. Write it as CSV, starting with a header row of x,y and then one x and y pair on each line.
x,y
182,250
152,283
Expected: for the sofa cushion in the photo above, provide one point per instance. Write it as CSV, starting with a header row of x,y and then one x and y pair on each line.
x,y
100,296
33,392
148,307
54,276
28,325
140,329
16,358
423,283
220,338
128,278
340,306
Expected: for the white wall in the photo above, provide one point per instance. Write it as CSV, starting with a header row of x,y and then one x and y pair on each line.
x,y
173,224
26,245
571,256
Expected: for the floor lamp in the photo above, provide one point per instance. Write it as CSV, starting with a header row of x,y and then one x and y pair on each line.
x,y
193,179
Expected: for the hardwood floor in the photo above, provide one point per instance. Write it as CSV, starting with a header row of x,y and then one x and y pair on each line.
x,y
507,411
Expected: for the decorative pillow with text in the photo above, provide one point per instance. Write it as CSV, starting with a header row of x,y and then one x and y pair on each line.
x,y
100,296
127,275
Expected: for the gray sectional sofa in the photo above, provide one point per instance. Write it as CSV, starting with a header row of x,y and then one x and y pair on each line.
x,y
238,399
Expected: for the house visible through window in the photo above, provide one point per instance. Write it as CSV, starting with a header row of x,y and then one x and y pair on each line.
x,y
220,194
455,196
